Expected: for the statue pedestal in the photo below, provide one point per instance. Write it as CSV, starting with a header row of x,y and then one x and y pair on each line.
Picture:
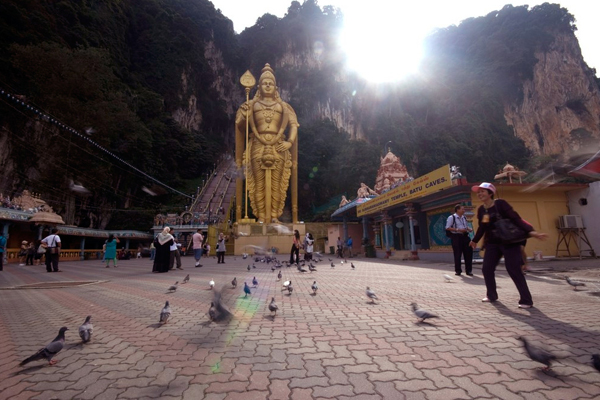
x,y
254,238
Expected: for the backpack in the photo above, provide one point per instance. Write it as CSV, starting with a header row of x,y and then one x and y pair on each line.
x,y
448,233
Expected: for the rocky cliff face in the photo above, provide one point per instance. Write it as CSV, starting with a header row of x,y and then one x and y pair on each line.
x,y
560,110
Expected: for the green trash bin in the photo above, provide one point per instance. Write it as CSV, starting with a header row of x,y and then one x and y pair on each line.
x,y
370,251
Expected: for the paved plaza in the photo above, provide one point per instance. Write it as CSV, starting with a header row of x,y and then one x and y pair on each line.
x,y
335,344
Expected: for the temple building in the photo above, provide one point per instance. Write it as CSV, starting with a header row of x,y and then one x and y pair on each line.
x,y
391,173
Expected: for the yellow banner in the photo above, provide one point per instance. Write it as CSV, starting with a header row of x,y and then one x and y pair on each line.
x,y
422,186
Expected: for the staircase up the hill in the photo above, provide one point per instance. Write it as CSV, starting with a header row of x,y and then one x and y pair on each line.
x,y
217,195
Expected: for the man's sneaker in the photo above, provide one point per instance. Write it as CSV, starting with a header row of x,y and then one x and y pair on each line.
x,y
179,268
525,305
198,265
469,274
486,300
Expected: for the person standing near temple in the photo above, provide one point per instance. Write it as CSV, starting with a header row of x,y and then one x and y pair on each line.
x,y
2,250
152,251
197,242
459,228
174,254
295,251
30,253
110,250
52,244
308,247
162,243
221,249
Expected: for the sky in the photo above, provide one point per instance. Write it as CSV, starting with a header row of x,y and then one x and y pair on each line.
x,y
365,23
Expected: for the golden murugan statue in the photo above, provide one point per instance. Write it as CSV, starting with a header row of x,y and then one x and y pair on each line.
x,y
272,155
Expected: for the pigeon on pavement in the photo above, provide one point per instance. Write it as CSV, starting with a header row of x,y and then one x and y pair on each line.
x,y
165,313
573,283
50,350
211,284
352,265
538,354
173,288
273,306
186,279
314,287
234,282
332,265
86,330
212,311
254,282
596,361
371,294
422,314
286,284
448,278
290,288
246,289
249,267
279,276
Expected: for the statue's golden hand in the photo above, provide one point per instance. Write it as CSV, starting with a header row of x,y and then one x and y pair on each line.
x,y
283,146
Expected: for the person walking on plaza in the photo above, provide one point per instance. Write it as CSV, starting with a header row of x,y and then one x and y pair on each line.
x,y
197,242
488,215
308,247
340,248
110,250
52,244
162,243
295,251
221,249
23,253
152,251
459,228
349,243
2,250
175,254
30,253
39,253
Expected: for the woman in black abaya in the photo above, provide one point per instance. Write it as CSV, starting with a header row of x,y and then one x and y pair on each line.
x,y
162,243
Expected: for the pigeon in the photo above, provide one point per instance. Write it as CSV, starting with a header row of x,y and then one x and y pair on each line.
x,y
211,284
311,268
422,314
249,267
573,283
290,289
273,306
272,268
253,266
165,313
538,354
448,278
85,330
246,289
314,287
352,265
286,284
173,287
596,361
50,350
330,259
212,311
254,282
279,275
234,282
371,294
219,310
300,269
186,279
332,265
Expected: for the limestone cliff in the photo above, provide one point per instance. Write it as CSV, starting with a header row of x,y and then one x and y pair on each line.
x,y
560,108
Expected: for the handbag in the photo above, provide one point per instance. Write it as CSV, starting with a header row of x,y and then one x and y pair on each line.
x,y
508,232
53,250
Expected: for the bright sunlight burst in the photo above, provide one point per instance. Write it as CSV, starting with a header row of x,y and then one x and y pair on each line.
x,y
383,44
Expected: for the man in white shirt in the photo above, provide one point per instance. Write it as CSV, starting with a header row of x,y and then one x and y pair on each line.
x,y
197,242
459,229
52,245
175,255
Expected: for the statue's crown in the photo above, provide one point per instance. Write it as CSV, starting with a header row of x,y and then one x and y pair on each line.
x,y
267,72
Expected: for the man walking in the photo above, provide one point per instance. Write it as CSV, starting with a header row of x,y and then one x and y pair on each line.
x,y
2,249
175,255
197,242
349,243
52,245
459,229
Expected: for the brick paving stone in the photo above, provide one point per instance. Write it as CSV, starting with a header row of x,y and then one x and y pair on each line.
x,y
279,389
15,390
333,391
388,391
308,382
153,392
361,397
473,390
361,384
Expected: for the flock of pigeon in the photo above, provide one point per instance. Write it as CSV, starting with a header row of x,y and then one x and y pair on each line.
x,y
218,311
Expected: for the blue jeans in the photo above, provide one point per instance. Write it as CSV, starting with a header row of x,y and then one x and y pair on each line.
x,y
152,254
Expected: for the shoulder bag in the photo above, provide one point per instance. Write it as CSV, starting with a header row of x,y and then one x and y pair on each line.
x,y
508,232
53,249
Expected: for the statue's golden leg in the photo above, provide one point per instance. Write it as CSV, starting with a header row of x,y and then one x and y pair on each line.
x,y
258,191
279,189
